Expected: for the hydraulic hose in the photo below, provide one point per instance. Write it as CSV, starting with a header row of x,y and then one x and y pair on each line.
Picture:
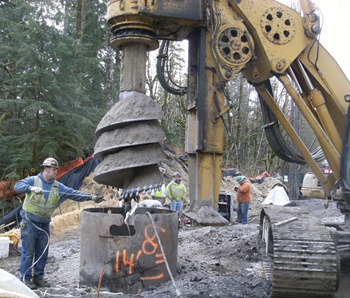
x,y
276,139
161,64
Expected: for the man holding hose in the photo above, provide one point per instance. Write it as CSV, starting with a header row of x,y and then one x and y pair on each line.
x,y
43,195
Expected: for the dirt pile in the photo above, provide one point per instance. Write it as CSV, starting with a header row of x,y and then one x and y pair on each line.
x,y
259,191
68,215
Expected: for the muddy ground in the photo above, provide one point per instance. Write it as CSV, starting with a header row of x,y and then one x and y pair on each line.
x,y
212,262
226,261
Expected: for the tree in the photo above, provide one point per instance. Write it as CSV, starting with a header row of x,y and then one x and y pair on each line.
x,y
42,111
173,106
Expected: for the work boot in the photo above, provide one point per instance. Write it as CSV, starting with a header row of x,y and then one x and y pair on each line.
x,y
31,285
41,283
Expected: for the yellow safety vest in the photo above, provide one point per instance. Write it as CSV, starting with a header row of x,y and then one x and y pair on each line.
x,y
36,203
176,191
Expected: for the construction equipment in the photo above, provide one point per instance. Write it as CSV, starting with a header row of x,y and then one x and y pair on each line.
x,y
311,187
227,205
262,39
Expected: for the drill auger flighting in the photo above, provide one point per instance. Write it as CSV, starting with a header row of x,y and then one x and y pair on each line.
x,y
128,137
128,146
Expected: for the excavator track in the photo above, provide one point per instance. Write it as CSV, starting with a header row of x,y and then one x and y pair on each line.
x,y
304,258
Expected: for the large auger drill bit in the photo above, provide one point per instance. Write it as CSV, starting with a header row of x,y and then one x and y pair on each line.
x,y
129,135
128,146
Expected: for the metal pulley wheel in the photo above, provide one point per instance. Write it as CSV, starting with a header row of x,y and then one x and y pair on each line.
x,y
235,45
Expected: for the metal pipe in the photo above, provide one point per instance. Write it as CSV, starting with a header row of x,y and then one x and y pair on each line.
x,y
202,90
343,247
295,80
322,137
317,101
134,257
305,76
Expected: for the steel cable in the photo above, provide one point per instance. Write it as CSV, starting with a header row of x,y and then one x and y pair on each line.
x,y
178,292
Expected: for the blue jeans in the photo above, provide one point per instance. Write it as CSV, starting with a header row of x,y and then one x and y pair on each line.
x,y
176,206
34,242
242,213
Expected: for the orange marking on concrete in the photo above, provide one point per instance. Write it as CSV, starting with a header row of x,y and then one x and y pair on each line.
x,y
149,240
126,262
117,261
138,254
153,245
146,232
160,259
152,277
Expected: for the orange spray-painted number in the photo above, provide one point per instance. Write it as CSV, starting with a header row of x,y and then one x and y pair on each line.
x,y
127,262
117,261
150,240
149,246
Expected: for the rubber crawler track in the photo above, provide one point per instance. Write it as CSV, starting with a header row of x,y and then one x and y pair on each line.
x,y
305,262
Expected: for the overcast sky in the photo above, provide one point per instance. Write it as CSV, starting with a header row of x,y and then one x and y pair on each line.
x,y
335,30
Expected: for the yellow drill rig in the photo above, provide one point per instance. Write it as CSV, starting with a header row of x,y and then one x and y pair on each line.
x,y
262,39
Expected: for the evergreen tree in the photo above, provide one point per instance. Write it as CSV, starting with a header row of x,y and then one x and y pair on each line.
x,y
52,88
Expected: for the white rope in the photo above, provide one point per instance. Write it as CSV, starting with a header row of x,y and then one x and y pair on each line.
x,y
178,293
46,247
48,237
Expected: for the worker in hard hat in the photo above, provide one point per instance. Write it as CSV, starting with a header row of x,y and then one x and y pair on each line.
x,y
243,199
176,192
43,195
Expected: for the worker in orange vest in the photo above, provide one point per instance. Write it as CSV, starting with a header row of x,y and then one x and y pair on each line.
x,y
243,199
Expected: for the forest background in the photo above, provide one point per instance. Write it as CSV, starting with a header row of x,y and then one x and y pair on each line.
x,y
59,77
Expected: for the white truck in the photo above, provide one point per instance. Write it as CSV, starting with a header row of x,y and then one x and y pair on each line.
x,y
311,187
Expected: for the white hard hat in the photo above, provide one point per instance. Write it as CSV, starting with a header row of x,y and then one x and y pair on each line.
x,y
50,162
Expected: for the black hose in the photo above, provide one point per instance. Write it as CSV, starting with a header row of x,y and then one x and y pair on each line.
x,y
275,137
161,63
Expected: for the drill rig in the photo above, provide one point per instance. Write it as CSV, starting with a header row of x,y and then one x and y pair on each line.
x,y
262,39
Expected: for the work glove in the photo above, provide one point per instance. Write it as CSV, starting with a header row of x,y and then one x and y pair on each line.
x,y
97,199
36,189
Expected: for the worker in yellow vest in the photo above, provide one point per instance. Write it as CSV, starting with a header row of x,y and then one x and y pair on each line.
x,y
176,192
43,195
